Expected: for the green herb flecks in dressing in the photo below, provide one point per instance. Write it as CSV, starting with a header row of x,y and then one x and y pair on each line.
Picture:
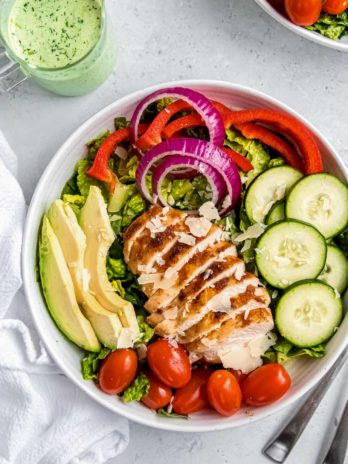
x,y
54,33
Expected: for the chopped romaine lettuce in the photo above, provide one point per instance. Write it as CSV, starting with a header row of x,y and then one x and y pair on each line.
x,y
94,144
90,363
283,351
332,26
84,182
137,389
134,206
116,268
71,188
173,415
121,123
146,332
117,285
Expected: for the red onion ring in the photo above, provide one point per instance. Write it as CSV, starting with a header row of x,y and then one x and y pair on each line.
x,y
217,183
197,149
199,103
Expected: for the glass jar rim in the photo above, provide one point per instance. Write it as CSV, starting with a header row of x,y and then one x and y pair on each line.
x,y
24,64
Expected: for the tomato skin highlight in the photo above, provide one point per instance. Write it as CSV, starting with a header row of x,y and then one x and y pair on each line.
x,y
118,371
159,394
193,396
224,392
265,385
303,12
335,6
169,363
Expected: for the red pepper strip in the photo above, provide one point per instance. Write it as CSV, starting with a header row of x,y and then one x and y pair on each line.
x,y
240,160
152,136
191,120
100,169
289,126
253,131
224,112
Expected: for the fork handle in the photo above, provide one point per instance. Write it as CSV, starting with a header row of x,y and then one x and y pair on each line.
x,y
280,446
338,448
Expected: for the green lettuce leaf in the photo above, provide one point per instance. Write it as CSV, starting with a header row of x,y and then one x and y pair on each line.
x,y
116,268
71,188
283,351
135,295
332,26
146,332
134,206
117,285
94,144
173,415
137,389
84,182
121,123
90,363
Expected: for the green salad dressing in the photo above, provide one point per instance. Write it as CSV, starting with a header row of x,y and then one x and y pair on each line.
x,y
53,34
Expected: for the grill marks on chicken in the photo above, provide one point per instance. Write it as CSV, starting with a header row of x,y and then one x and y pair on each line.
x,y
199,292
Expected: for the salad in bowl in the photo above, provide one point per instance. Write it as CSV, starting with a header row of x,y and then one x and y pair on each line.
x,y
196,250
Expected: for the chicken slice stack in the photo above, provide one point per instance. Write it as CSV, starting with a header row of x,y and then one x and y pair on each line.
x,y
199,293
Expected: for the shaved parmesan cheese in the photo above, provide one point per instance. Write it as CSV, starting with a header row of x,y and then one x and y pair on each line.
x,y
142,350
253,231
187,239
149,279
209,211
199,227
159,260
207,274
147,269
258,346
121,152
125,339
246,246
239,272
227,202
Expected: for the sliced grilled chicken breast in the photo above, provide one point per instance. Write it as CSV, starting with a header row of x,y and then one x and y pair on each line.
x,y
197,264
215,298
199,293
219,269
239,330
253,298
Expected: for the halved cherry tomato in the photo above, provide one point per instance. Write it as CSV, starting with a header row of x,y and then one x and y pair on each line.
x,y
303,12
265,385
159,394
335,6
169,363
193,396
118,371
224,392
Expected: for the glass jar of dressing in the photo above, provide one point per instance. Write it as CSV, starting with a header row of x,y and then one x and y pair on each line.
x,y
66,46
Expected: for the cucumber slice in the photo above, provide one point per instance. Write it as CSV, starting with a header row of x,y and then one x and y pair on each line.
x,y
320,200
308,313
335,272
290,251
268,188
276,213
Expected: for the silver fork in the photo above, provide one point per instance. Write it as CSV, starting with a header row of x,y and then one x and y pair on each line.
x,y
338,448
279,447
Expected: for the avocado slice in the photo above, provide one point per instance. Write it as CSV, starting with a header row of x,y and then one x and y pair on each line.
x,y
106,324
59,292
95,223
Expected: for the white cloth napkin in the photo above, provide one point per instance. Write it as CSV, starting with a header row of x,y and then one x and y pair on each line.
x,y
44,418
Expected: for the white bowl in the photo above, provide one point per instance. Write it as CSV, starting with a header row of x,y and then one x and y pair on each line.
x,y
341,44
305,372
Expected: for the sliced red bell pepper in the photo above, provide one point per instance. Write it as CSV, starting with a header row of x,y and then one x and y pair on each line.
x,y
287,125
190,120
253,131
240,160
224,112
100,169
152,136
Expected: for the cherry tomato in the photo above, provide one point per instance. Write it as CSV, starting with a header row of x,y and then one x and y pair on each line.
x,y
303,12
335,6
118,371
240,377
265,385
224,392
193,396
169,363
159,394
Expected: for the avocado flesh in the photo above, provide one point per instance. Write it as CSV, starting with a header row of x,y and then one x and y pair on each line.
x,y
95,223
106,324
59,292
120,196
